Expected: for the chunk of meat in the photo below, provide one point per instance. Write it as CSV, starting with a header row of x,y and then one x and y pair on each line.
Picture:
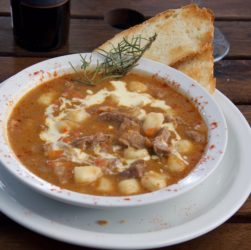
x,y
114,116
100,109
83,141
128,124
130,135
168,118
109,166
101,137
196,136
160,142
118,115
134,139
136,170
91,140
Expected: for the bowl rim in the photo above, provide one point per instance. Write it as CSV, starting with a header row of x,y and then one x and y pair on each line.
x,y
43,71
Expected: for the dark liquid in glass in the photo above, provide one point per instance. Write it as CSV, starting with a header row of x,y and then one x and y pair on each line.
x,y
40,26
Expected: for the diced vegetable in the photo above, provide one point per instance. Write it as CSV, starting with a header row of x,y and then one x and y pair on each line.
x,y
101,162
87,174
54,154
63,126
129,186
151,132
153,181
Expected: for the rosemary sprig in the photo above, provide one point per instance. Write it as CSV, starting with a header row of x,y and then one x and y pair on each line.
x,y
117,62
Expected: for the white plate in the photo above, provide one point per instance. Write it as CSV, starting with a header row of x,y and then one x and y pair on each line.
x,y
185,217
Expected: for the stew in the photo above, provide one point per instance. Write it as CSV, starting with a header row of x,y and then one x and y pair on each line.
x,y
120,137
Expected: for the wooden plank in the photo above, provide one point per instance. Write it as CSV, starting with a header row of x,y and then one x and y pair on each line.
x,y
245,210
246,111
233,79
230,236
4,7
12,65
87,34
228,9
238,34
236,85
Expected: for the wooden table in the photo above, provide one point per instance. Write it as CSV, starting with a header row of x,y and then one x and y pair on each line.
x,y
87,31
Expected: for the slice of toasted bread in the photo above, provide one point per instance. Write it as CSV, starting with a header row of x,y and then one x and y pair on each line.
x,y
181,33
184,41
200,68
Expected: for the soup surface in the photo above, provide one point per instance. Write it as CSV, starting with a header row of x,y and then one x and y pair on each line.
x,y
120,137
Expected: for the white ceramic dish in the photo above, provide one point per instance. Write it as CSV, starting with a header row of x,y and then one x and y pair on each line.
x,y
180,219
21,83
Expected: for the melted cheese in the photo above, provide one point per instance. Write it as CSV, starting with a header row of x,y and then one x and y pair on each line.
x,y
176,153
160,104
52,133
89,91
133,99
128,98
170,127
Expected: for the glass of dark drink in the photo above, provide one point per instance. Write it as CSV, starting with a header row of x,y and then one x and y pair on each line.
x,y
40,25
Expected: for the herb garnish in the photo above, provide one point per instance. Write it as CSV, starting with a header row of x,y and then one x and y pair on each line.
x,y
116,62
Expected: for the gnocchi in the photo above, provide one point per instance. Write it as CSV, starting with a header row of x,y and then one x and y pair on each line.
x,y
153,181
46,98
105,185
184,146
129,186
153,122
87,174
131,153
77,115
136,86
174,164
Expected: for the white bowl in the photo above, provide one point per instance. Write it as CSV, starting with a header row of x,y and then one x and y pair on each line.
x,y
18,85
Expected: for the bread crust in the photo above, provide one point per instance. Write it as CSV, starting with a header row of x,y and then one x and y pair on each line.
x,y
200,68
